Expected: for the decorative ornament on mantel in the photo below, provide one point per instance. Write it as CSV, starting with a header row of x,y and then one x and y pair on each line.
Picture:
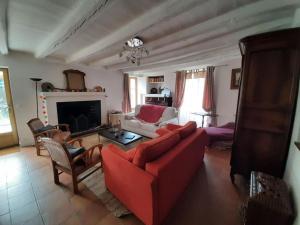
x,y
134,50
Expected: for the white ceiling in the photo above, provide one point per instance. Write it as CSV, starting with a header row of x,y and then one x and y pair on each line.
x,y
178,33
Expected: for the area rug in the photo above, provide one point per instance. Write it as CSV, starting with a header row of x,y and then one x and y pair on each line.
x,y
95,183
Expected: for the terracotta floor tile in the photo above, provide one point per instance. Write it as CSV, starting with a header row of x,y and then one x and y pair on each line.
x,y
53,201
92,214
5,219
42,190
110,220
21,200
4,207
58,215
73,220
19,189
21,215
3,195
37,220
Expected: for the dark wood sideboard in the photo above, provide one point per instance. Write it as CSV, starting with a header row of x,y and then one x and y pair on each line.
x,y
266,103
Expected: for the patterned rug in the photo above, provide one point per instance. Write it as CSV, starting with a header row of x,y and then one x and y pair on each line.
x,y
96,184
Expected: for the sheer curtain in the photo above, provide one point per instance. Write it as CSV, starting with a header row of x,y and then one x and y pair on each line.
x,y
192,100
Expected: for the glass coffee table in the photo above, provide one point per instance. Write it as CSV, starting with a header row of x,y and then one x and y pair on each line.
x,y
123,137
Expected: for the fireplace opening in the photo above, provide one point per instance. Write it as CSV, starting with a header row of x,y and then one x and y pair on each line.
x,y
80,115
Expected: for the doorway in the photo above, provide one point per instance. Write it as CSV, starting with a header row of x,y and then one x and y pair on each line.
x,y
8,130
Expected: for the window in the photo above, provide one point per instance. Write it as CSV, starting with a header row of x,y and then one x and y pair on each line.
x,y
192,100
133,91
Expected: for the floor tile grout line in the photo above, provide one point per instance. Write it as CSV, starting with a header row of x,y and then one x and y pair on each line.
x,y
36,200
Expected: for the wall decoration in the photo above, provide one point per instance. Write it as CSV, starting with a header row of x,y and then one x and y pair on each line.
x,y
98,89
44,110
47,87
75,80
235,78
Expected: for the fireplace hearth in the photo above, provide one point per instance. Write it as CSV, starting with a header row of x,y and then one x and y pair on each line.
x,y
80,115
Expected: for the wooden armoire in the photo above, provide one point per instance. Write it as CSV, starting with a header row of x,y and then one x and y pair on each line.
x,y
266,103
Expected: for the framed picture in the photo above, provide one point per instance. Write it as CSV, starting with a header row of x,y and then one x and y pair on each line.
x,y
235,78
75,80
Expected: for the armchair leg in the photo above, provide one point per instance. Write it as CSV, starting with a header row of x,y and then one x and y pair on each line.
x,y
75,184
55,174
38,149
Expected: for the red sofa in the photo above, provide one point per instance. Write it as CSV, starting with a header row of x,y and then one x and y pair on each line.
x,y
150,178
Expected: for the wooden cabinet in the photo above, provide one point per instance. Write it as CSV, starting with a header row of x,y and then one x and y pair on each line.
x,y
267,101
164,101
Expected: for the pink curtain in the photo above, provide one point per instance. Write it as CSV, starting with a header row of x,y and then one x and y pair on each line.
x,y
208,96
179,88
126,106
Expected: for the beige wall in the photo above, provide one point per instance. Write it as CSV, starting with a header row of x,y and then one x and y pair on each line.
x,y
23,66
226,99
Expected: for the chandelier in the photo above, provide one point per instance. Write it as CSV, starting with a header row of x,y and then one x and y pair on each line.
x,y
134,50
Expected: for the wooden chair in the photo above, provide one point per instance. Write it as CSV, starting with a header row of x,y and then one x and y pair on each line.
x,y
39,130
79,167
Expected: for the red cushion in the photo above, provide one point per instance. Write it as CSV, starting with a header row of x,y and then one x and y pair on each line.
x,y
162,131
131,154
150,113
171,126
128,155
187,129
153,149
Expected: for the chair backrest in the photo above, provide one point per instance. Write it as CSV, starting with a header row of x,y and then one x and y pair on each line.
x,y
58,152
35,124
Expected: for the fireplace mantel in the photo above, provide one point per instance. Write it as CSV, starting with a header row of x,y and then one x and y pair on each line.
x,y
48,100
72,94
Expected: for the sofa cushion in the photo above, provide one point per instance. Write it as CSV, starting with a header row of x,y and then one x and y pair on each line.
x,y
133,123
187,129
163,131
153,149
169,113
150,113
149,127
128,155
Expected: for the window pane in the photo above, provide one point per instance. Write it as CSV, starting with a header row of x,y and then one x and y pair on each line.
x,y
5,125
192,100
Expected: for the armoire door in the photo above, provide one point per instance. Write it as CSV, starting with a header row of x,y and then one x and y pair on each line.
x,y
267,100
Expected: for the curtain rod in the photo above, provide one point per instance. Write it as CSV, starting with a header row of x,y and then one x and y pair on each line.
x,y
204,68
221,65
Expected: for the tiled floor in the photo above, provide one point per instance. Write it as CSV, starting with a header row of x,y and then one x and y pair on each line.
x,y
29,196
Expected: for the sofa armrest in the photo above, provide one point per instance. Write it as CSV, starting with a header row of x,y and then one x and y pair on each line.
x,y
171,121
134,187
123,117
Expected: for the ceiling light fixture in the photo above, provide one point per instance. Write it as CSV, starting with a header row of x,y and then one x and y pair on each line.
x,y
134,50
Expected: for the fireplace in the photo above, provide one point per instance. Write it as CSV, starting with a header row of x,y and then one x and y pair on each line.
x,y
80,115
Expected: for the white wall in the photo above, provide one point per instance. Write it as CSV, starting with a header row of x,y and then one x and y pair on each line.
x,y
141,89
226,99
170,80
23,66
292,175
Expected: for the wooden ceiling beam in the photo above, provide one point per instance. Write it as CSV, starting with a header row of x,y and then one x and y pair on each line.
x,y
84,12
205,46
3,27
215,26
206,59
163,11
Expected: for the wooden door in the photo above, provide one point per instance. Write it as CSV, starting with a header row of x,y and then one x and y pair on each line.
x,y
8,130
